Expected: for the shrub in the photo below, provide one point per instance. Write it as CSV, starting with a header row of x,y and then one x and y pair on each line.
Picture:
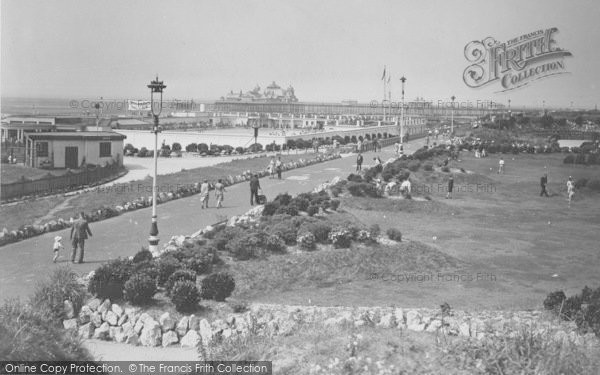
x,y
312,210
270,208
28,336
167,265
255,147
291,210
142,256
240,307
225,236
109,279
301,203
375,230
176,146
283,199
306,241
140,289
363,189
445,169
355,178
320,229
192,147
286,231
179,275
218,286
341,238
394,234
49,296
428,167
414,165
275,244
250,245
554,300
335,204
239,150
185,296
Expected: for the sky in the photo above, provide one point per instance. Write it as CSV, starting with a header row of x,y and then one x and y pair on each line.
x,y
327,50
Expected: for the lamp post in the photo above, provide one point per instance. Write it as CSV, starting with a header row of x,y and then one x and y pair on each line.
x,y
452,116
256,126
403,79
156,87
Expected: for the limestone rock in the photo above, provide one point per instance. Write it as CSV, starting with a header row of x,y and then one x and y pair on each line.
x,y
104,307
124,318
70,323
182,326
414,321
132,339
190,340
111,318
69,309
96,319
206,332
194,323
387,321
167,322
227,333
94,303
169,338
114,331
151,333
102,332
118,310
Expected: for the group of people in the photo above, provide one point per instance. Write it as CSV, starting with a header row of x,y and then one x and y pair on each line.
x,y
570,188
275,166
206,187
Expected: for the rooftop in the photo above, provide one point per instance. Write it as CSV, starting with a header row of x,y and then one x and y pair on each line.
x,y
101,135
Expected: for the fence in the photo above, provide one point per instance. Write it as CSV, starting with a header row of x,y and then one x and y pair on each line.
x,y
57,184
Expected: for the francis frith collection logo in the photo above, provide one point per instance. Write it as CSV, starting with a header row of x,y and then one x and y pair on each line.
x,y
516,62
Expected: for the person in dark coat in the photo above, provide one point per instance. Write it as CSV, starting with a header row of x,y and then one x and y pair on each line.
x,y
543,183
359,161
254,187
79,233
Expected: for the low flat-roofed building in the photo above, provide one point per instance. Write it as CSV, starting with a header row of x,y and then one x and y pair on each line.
x,y
72,149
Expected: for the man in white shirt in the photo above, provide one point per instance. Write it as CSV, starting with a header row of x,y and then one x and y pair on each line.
x,y
501,166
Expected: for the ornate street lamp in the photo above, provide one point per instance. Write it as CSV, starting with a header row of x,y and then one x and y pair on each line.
x,y
402,113
452,116
156,87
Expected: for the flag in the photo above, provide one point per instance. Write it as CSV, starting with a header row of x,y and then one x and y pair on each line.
x,y
138,105
383,76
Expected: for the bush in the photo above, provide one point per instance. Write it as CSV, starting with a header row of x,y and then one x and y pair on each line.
x,y
375,230
176,146
28,336
286,231
394,234
341,238
301,203
275,244
445,169
192,147
225,236
49,296
320,229
142,256
240,307
198,260
143,152
218,286
179,275
335,204
167,265
580,183
355,178
554,301
312,210
185,296
250,245
270,208
363,189
306,241
283,199
240,150
414,165
428,167
109,279
140,289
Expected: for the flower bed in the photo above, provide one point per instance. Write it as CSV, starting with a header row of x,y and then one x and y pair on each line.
x,y
28,231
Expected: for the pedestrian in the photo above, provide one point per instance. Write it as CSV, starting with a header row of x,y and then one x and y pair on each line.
x,y
56,247
204,189
359,161
378,164
254,187
501,166
220,193
278,167
397,148
79,233
543,183
570,189
271,168
450,188
359,146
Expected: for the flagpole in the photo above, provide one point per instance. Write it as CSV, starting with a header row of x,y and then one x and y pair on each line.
x,y
383,104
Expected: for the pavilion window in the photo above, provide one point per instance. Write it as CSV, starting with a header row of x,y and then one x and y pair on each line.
x,y
105,149
41,149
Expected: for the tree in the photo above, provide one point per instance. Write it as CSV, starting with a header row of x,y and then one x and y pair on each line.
x,y
202,147
579,120
547,121
176,146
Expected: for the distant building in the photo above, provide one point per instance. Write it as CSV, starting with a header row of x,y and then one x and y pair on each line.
x,y
72,149
273,93
14,129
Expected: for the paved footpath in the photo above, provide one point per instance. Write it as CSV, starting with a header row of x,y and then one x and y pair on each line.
x,y
26,262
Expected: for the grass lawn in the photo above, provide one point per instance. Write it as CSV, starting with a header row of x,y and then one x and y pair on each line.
x,y
22,213
502,247
12,173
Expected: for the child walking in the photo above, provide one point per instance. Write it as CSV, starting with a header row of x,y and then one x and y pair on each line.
x,y
56,247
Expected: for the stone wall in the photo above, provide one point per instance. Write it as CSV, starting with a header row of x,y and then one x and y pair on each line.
x,y
110,321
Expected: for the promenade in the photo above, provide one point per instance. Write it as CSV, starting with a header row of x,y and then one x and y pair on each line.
x,y
26,262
